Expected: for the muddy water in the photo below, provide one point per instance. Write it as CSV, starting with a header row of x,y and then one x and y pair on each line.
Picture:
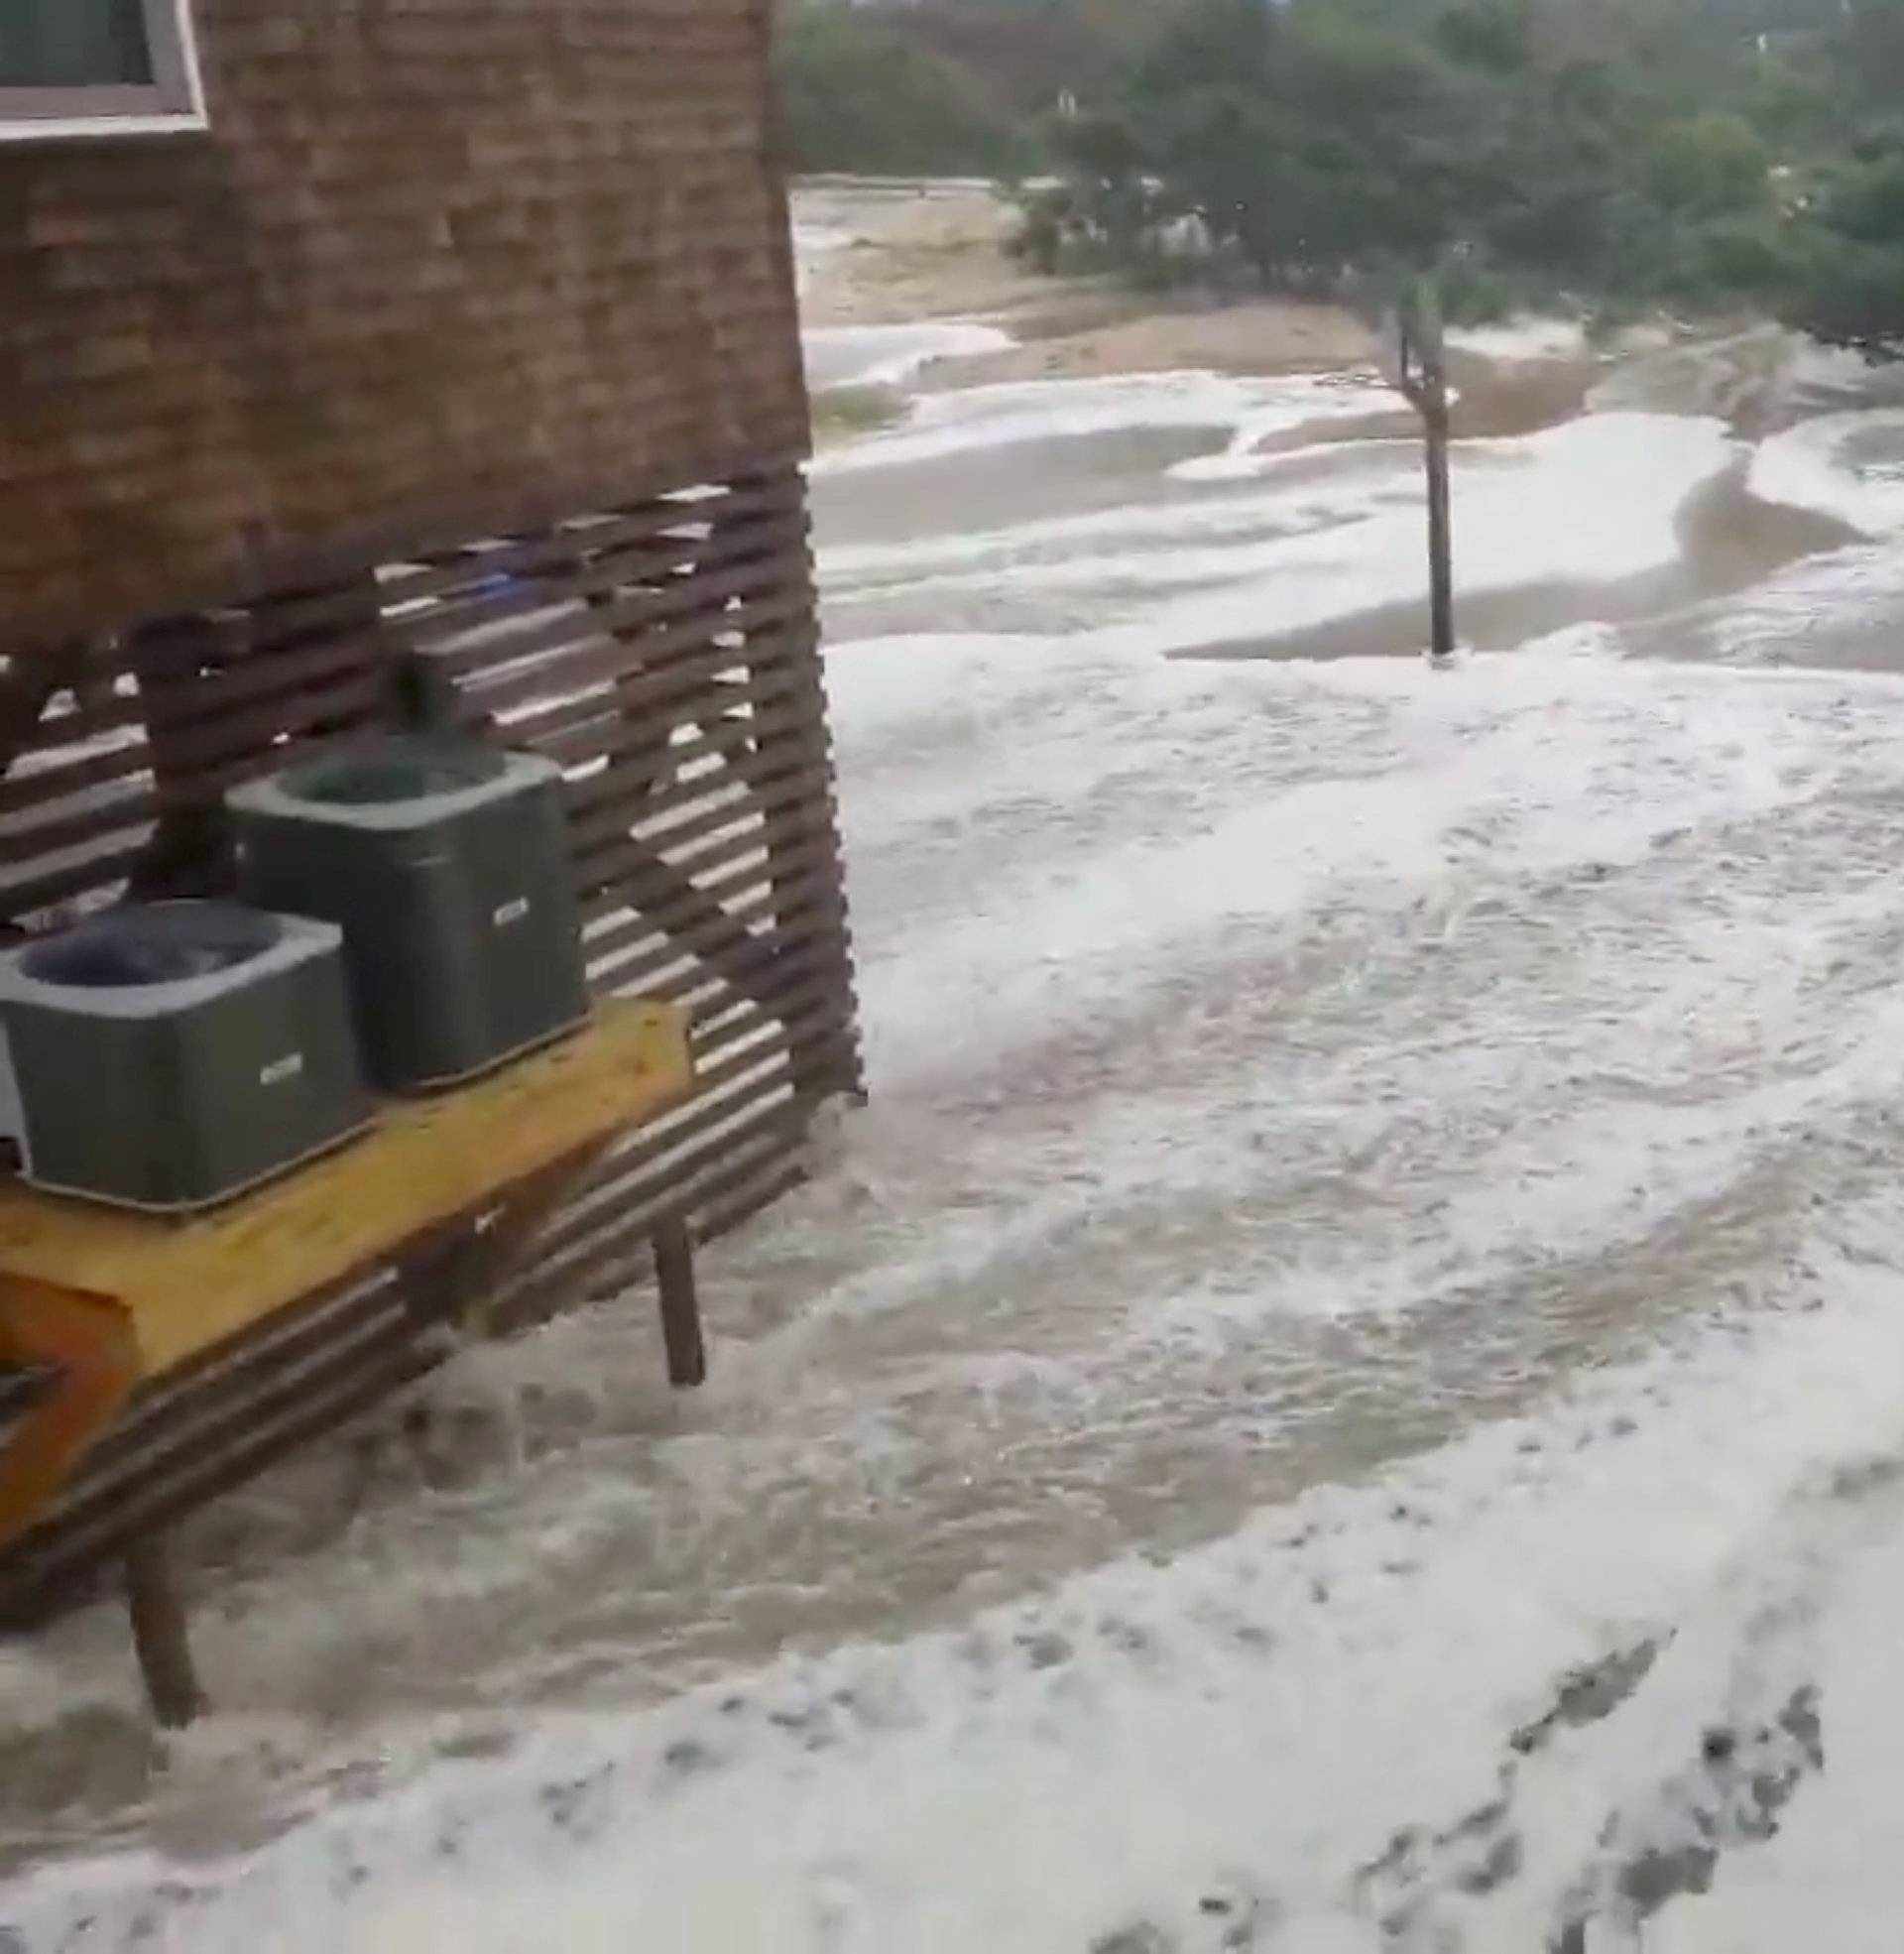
x,y
1167,459
1340,1138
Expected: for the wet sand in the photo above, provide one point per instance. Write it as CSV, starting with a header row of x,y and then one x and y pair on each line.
x,y
938,252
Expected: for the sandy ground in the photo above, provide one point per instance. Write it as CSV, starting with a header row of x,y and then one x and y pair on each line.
x,y
892,255
937,253
901,254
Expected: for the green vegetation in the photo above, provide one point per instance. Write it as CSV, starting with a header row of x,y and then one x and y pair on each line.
x,y
860,92
1611,154
942,87
1601,152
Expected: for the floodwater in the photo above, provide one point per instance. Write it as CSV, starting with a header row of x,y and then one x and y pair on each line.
x,y
1347,1392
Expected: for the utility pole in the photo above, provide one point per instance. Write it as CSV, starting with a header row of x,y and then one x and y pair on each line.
x,y
1421,375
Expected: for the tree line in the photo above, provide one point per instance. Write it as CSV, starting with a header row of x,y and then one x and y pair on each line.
x,y
943,87
1609,154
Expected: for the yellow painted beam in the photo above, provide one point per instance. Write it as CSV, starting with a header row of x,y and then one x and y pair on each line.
x,y
184,1287
87,1343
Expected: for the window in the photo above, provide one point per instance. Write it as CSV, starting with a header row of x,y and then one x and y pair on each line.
x,y
87,66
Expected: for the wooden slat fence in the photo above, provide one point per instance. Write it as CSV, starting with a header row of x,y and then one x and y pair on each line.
x,y
665,654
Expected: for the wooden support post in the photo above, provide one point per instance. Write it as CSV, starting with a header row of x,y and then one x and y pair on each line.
x,y
1441,570
681,1305
1420,371
159,1635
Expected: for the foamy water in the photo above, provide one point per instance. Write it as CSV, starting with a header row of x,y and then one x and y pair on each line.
x,y
1526,340
1345,1394
1349,1097
1846,465
890,355
1315,538
1227,1748
1012,412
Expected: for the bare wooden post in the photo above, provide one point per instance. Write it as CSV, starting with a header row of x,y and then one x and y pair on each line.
x,y
159,1635
1441,568
681,1305
1421,374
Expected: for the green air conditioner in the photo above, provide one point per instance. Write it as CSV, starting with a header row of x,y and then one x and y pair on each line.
x,y
445,863
171,1056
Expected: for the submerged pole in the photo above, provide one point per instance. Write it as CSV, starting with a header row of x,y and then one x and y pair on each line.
x,y
159,1635
1441,567
1421,374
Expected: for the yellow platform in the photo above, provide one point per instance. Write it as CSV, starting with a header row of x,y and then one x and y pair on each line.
x,y
113,1299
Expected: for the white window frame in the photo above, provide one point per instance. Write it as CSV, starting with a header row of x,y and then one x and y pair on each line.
x,y
172,102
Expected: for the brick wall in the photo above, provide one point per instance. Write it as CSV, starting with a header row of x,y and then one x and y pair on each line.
x,y
437,263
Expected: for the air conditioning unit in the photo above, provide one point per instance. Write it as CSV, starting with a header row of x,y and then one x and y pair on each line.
x,y
446,865
171,1056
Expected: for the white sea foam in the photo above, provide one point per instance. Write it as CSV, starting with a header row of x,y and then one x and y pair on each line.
x,y
1231,1742
813,244
1591,502
1013,412
1526,340
1302,400
1358,482
893,355
1279,785
1846,465
1558,976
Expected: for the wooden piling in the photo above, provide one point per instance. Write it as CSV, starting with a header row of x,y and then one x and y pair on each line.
x,y
1441,570
161,1635
1420,372
681,1305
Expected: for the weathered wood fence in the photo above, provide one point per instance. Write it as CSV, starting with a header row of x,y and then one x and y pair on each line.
x,y
665,654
